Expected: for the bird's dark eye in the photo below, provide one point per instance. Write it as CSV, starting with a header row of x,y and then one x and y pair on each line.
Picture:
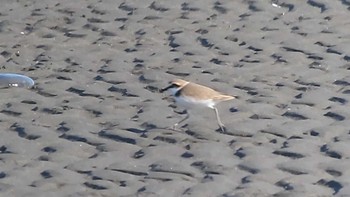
x,y
174,86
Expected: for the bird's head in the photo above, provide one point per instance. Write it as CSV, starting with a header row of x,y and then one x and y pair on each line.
x,y
174,85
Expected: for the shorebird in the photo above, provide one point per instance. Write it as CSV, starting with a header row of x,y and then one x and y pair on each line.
x,y
189,95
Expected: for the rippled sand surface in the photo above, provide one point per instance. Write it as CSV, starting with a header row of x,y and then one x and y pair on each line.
x,y
95,124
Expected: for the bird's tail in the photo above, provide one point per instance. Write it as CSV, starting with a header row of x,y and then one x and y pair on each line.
x,y
225,97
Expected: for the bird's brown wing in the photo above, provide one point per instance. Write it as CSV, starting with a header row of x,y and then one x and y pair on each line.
x,y
203,92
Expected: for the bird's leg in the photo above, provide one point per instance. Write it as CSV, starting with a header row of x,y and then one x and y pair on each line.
x,y
176,124
222,126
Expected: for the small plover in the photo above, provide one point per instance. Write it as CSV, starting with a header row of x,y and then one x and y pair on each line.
x,y
189,94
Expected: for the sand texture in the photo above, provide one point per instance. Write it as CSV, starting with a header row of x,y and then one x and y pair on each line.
x,y
96,125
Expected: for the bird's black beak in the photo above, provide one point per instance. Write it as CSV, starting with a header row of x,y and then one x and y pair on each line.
x,y
173,85
164,89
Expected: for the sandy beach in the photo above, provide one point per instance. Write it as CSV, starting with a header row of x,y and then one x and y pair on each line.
x,y
95,123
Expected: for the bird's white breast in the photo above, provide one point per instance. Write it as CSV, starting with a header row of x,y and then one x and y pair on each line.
x,y
190,102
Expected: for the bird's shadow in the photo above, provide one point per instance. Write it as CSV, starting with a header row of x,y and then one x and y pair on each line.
x,y
182,130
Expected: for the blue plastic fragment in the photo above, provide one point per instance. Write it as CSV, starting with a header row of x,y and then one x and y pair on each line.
x,y
15,80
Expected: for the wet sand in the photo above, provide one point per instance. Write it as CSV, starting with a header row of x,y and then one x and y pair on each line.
x,y
95,123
